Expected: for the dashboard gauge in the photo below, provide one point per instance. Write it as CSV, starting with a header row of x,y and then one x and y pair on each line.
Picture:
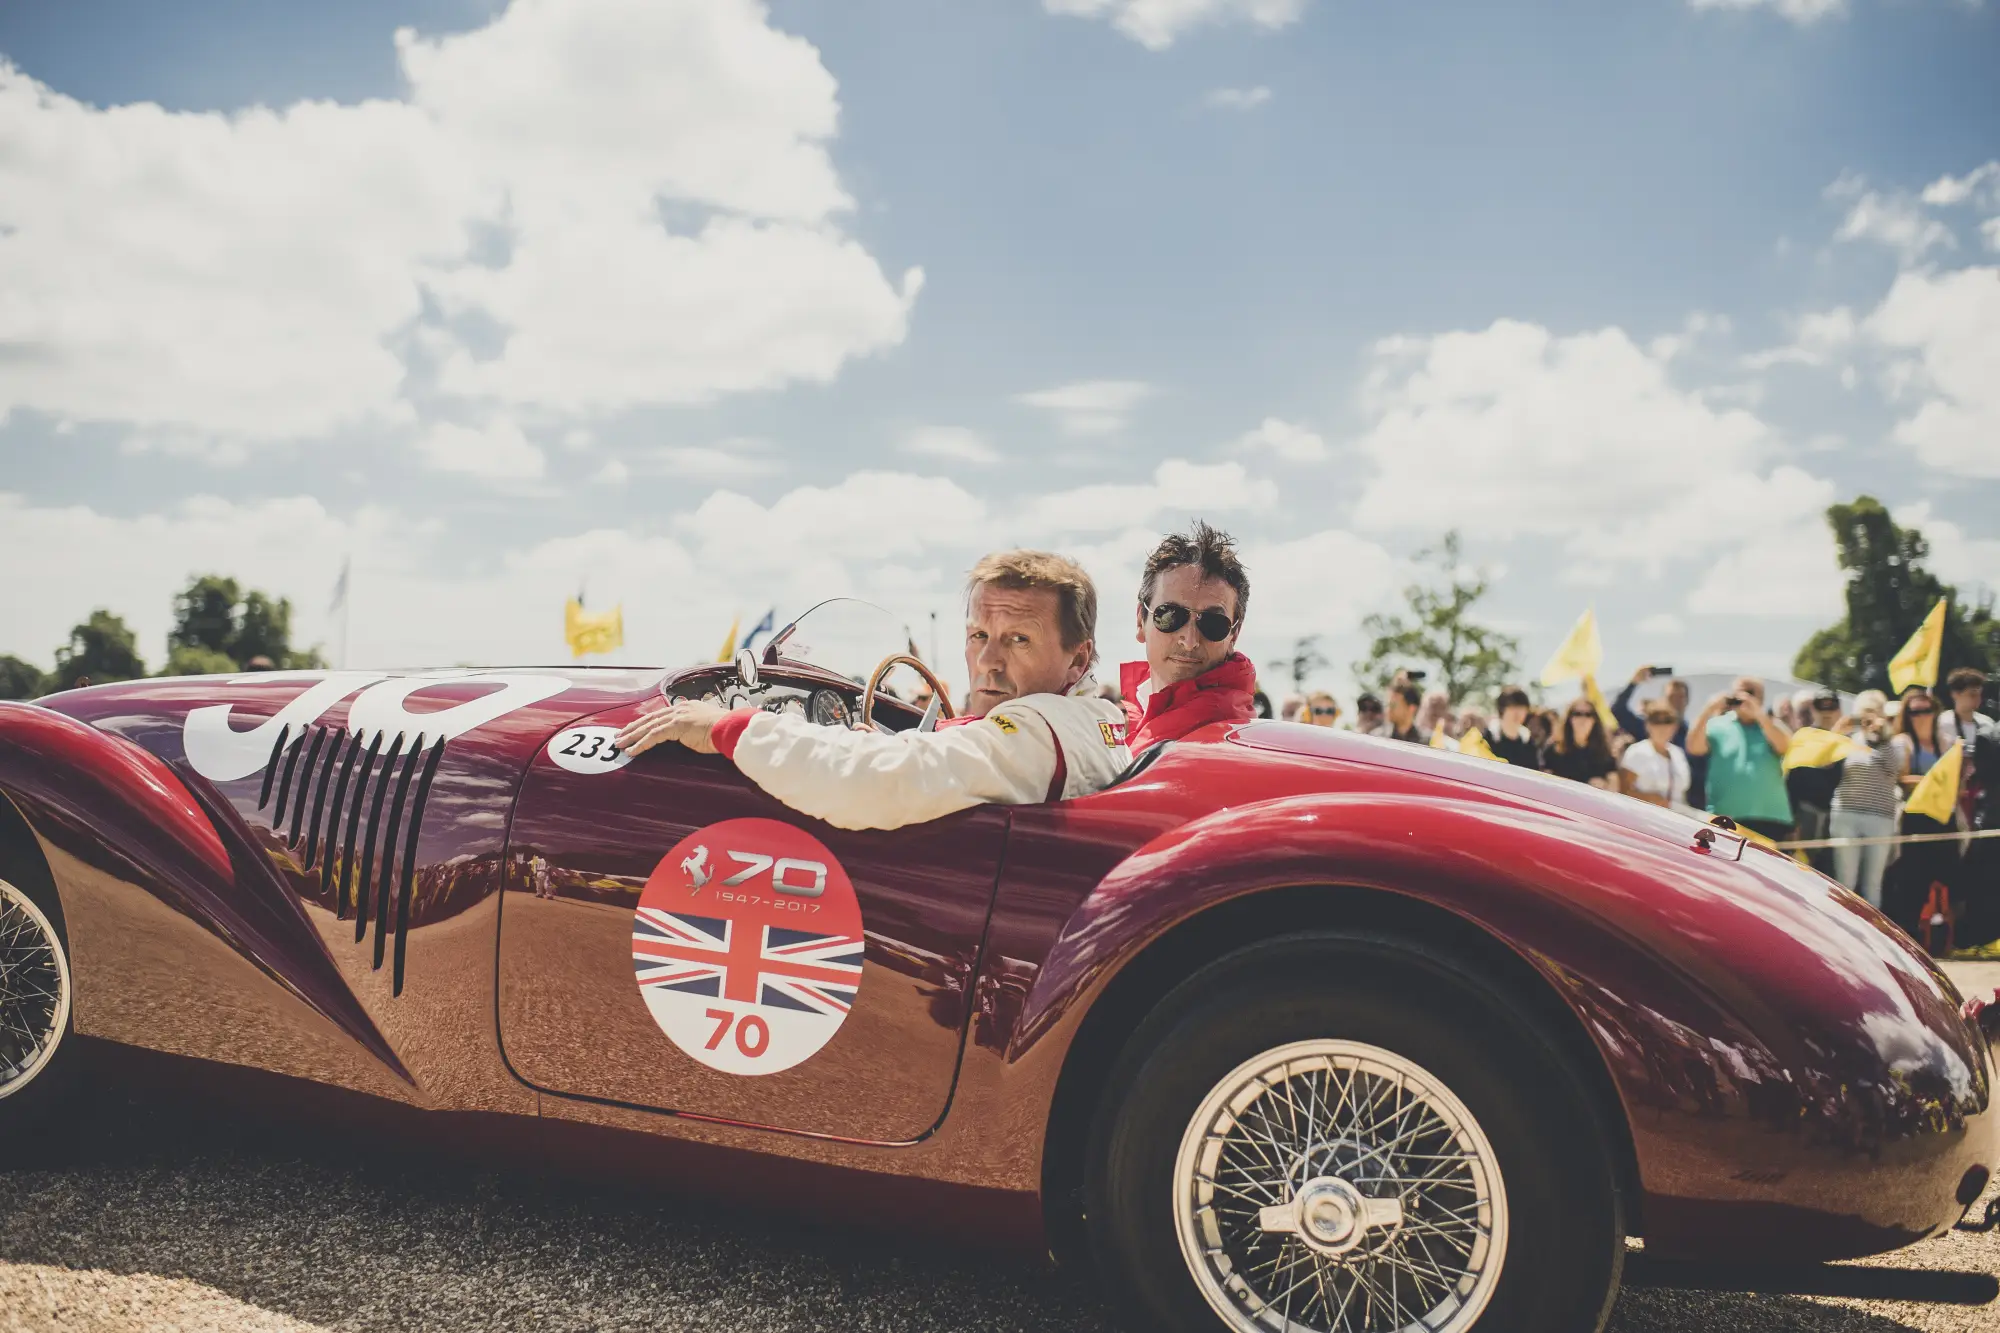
x,y
829,709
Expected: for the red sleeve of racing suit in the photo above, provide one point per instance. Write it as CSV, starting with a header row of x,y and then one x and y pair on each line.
x,y
729,730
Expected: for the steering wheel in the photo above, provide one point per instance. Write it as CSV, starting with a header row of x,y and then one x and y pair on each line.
x,y
893,660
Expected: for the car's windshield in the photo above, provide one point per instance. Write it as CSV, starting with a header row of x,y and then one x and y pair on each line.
x,y
843,635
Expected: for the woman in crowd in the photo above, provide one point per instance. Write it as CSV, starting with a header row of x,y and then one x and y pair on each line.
x,y
1656,769
1917,733
1864,804
1580,751
1509,737
1320,709
1915,901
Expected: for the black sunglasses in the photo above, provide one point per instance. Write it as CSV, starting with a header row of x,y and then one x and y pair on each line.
x,y
1168,617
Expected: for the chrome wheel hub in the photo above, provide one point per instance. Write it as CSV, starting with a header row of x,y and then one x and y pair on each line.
x,y
1336,1187
34,990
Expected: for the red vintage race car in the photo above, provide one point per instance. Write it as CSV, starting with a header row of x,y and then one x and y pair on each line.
x,y
1287,1029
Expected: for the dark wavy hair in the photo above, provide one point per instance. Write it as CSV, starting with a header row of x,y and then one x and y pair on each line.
x,y
1211,548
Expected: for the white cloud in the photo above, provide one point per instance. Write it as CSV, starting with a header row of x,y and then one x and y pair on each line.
x,y
726,460
1956,557
496,450
1090,407
1947,325
1290,442
1989,231
1798,11
955,444
634,196
1787,568
1514,431
1896,221
1237,99
1154,24
615,472
1948,191
1661,622
1818,336
1177,485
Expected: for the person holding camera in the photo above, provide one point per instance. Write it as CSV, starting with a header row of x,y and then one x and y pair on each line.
x,y
1745,748
1864,804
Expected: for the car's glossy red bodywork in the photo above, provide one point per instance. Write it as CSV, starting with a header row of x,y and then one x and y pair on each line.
x,y
1793,1077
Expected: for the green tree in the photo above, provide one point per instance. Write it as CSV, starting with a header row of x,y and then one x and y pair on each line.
x,y
1464,658
189,660
1305,659
101,649
18,679
221,626
1889,592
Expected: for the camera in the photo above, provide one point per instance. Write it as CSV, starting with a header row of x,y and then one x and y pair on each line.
x,y
1659,671
1415,675
1733,700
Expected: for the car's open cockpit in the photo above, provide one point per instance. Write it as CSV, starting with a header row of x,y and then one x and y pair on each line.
x,y
841,661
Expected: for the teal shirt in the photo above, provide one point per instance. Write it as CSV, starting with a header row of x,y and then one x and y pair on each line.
x,y
1746,778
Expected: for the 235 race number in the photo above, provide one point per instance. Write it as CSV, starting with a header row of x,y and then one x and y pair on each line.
x,y
588,750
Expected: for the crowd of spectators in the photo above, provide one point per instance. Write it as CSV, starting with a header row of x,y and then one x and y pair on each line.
x,y
1728,758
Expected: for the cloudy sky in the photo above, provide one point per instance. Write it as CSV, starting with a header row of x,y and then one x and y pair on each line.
x,y
709,305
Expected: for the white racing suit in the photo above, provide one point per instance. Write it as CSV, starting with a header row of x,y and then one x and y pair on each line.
x,y
1041,747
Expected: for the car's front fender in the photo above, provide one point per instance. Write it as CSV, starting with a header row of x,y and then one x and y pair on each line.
x,y
1796,1076
125,835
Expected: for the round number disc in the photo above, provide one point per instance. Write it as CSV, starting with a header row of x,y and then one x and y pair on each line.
x,y
588,750
747,945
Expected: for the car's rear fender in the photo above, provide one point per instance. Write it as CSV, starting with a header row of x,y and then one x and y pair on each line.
x,y
1766,1036
123,834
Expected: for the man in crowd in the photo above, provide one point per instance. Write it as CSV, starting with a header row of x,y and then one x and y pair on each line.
x,y
1368,716
1811,789
1192,596
1745,747
1965,686
1405,698
1509,738
1034,729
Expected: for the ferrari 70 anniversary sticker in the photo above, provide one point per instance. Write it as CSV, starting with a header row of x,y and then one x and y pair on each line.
x,y
747,945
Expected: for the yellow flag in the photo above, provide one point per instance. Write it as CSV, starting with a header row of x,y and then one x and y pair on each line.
x,y
1473,742
1937,795
1916,662
728,653
1597,701
1816,747
1440,741
593,632
1580,655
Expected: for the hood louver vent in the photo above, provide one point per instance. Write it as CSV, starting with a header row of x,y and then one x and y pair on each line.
x,y
329,782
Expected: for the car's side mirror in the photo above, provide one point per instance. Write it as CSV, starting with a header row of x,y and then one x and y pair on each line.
x,y
746,668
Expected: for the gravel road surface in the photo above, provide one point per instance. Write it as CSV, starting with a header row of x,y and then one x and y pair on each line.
x,y
160,1216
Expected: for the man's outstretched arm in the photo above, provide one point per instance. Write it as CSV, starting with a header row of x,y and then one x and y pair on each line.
x,y
866,779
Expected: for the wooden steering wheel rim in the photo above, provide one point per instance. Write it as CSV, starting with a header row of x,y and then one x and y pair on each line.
x,y
883,668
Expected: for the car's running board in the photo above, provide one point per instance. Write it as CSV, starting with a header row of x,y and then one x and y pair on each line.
x,y
1929,1285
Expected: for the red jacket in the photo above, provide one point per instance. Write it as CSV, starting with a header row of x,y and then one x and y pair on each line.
x,y
1223,693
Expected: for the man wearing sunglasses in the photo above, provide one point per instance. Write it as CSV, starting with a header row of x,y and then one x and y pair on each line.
x,y
1191,600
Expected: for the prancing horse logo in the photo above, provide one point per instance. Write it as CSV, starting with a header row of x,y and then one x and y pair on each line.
x,y
696,866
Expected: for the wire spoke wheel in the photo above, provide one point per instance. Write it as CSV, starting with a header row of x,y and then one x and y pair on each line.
x,y
34,990
1336,1187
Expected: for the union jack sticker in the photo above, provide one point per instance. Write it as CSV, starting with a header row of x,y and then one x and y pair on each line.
x,y
747,946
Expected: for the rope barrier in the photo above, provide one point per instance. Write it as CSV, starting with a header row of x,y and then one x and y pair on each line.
x,y
1887,839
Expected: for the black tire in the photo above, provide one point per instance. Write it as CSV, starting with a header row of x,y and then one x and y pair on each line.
x,y
1564,1243
29,916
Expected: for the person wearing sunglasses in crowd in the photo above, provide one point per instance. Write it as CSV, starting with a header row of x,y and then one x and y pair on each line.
x,y
1580,751
1035,727
1192,595
1321,709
